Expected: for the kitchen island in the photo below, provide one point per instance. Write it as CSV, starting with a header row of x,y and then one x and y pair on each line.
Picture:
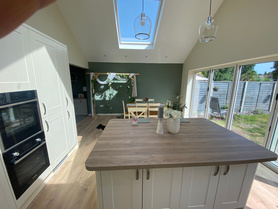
x,y
203,166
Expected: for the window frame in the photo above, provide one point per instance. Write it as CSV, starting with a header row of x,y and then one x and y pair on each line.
x,y
138,45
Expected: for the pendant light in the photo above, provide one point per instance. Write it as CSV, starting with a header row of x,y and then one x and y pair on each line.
x,y
208,30
142,25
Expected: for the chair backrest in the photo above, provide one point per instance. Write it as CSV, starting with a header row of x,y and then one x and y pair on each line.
x,y
214,105
138,112
141,104
152,105
138,100
150,100
123,106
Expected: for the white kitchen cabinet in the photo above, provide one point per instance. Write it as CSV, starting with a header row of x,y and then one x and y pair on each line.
x,y
204,187
129,189
56,137
122,189
7,200
49,85
80,106
216,187
16,72
31,60
199,185
233,188
64,74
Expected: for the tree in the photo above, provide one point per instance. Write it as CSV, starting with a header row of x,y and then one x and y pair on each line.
x,y
223,74
248,73
275,71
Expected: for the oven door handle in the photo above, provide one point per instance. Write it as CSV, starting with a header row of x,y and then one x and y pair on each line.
x,y
29,153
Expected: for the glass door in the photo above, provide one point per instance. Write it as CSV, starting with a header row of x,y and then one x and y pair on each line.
x,y
199,94
271,141
220,95
254,98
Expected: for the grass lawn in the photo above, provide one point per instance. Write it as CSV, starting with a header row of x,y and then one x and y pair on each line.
x,y
252,127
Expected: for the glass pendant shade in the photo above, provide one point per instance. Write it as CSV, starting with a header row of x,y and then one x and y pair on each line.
x,y
142,27
208,30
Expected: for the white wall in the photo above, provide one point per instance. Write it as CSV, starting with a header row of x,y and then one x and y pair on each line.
x,y
50,22
247,29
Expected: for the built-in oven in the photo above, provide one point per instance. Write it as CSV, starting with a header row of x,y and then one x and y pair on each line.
x,y
22,139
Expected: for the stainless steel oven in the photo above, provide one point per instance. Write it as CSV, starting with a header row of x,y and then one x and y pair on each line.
x,y
22,139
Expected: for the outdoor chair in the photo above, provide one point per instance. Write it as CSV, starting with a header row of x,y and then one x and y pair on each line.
x,y
215,107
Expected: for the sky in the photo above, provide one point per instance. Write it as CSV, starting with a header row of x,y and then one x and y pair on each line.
x,y
128,10
261,68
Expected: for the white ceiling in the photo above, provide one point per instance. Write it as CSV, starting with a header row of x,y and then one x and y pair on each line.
x,y
92,23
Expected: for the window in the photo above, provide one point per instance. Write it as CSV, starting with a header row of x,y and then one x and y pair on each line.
x,y
126,12
241,98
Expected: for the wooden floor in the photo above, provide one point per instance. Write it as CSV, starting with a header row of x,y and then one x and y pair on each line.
x,y
74,187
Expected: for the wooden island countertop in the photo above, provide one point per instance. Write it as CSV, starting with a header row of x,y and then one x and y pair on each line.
x,y
199,143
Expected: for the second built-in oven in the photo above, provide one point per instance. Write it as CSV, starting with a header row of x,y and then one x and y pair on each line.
x,y
22,139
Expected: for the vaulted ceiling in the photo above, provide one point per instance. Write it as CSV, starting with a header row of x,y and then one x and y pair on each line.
x,y
92,23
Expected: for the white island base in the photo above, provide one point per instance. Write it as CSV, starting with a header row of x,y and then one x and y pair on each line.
x,y
204,187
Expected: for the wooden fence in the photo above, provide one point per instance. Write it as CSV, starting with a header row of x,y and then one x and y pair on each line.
x,y
250,95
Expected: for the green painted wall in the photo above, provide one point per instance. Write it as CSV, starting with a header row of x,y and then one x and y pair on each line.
x,y
159,81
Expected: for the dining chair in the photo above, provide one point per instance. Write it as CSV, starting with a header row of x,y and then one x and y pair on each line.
x,y
151,100
138,100
153,110
125,112
139,112
142,105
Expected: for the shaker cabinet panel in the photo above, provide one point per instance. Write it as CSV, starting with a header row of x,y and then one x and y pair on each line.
x,y
45,68
56,138
122,189
199,186
7,200
15,62
68,106
233,186
161,188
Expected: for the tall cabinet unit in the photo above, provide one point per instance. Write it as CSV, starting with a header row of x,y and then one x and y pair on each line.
x,y
68,107
16,73
31,60
51,95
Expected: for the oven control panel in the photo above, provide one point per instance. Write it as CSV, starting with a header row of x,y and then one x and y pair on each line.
x,y
14,97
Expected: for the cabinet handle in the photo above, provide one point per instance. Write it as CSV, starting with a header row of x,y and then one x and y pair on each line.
x,y
47,126
44,108
67,101
217,171
68,114
227,170
148,174
137,174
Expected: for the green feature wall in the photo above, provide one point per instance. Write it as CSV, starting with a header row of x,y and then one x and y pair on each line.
x,y
161,82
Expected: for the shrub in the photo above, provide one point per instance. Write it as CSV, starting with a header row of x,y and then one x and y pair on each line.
x,y
258,112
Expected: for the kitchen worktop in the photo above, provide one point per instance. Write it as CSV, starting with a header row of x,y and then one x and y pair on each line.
x,y
199,143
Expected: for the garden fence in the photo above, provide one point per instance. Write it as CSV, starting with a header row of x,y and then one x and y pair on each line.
x,y
250,95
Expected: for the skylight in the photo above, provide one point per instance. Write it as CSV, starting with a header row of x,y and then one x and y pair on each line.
x,y
126,12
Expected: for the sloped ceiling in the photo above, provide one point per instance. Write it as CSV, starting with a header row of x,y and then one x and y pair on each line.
x,y
92,23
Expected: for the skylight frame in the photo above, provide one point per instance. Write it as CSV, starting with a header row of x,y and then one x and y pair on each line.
x,y
138,45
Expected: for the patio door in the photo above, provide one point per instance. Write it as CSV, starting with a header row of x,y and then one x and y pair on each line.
x,y
241,98
271,141
220,93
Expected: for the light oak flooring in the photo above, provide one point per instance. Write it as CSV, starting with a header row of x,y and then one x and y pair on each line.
x,y
73,187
